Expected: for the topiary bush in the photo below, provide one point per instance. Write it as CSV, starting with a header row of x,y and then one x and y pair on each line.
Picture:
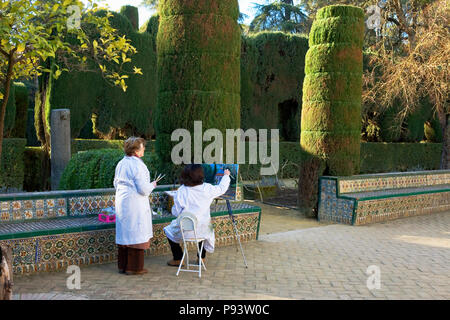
x,y
132,14
21,117
12,165
95,103
95,169
198,47
37,173
272,72
331,111
10,113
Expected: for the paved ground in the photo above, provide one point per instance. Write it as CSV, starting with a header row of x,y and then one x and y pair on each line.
x,y
295,258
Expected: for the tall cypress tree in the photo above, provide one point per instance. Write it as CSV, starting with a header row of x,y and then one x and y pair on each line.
x,y
332,90
198,47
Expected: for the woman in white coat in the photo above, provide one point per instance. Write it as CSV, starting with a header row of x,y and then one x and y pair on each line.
x,y
194,196
133,213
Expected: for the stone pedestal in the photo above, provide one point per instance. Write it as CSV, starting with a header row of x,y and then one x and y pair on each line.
x,y
60,144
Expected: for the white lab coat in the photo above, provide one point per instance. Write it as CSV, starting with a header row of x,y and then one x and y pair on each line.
x,y
196,200
133,213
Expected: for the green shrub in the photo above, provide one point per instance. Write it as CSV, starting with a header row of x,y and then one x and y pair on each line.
x,y
198,47
272,72
376,157
392,157
21,118
132,14
87,93
332,89
12,164
10,113
37,173
92,144
95,169
32,139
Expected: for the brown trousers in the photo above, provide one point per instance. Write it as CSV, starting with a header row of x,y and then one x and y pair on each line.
x,y
130,259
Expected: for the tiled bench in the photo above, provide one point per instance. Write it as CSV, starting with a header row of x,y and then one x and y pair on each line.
x,y
49,231
364,199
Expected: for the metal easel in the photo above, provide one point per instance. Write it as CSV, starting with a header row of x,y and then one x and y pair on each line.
x,y
230,213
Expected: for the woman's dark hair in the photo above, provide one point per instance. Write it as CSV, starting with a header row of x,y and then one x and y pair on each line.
x,y
192,175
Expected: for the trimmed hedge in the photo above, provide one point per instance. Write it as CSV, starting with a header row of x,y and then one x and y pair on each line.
x,y
376,157
87,93
132,14
10,113
37,174
21,118
272,72
30,134
198,46
95,169
392,157
12,165
332,89
92,144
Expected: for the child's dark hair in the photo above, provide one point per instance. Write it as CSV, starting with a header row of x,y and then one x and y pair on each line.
x,y
192,175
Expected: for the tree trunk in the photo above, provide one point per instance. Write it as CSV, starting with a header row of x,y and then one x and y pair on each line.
x,y
6,273
311,168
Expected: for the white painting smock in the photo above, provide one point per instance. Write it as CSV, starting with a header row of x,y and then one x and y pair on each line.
x,y
197,200
133,214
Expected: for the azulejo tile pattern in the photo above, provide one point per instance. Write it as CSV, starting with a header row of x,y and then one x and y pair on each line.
x,y
76,203
55,252
332,208
393,181
23,210
398,207
366,199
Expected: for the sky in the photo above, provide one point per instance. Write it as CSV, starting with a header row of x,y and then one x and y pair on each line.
x,y
245,6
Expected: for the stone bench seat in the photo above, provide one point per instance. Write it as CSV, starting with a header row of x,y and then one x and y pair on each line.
x,y
364,199
369,195
62,225
49,231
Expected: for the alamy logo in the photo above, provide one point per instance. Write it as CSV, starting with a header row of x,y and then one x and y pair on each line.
x,y
258,145
374,279
73,22
74,280
374,20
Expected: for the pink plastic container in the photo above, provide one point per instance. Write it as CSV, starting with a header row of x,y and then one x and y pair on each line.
x,y
106,217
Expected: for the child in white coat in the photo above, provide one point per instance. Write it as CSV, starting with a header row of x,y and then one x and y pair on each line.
x,y
194,196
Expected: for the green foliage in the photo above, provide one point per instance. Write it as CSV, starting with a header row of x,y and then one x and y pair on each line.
x,y
95,169
37,174
393,157
88,93
12,164
411,129
21,97
198,46
32,139
132,14
279,16
92,144
272,72
10,111
332,88
151,27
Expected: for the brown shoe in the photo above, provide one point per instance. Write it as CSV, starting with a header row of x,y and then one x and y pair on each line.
x,y
133,273
174,263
